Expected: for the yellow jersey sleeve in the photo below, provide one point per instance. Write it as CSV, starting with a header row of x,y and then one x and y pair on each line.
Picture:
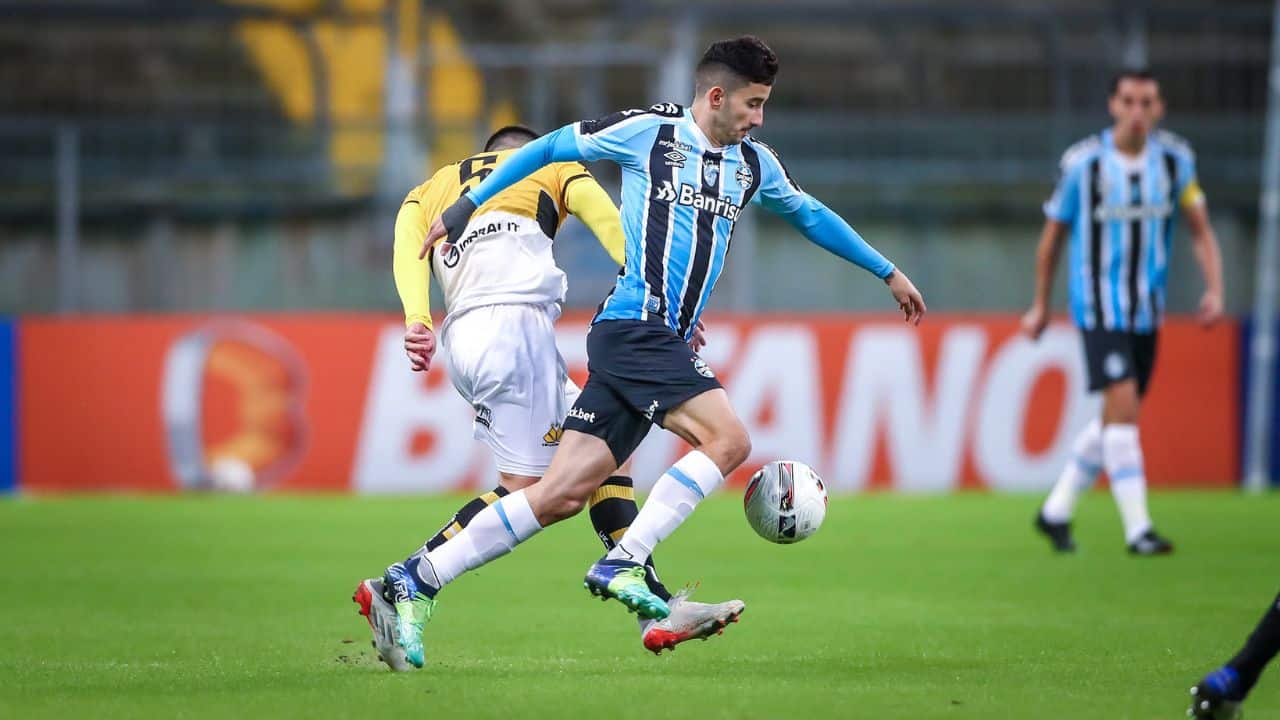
x,y
584,197
413,276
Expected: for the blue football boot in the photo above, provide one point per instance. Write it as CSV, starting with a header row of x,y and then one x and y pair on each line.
x,y
624,581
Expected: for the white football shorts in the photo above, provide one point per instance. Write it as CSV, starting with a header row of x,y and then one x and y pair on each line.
x,y
503,360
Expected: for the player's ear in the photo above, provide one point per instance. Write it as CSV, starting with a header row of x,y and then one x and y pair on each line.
x,y
715,97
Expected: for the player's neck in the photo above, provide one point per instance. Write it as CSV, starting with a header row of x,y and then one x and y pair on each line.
x,y
1133,146
702,118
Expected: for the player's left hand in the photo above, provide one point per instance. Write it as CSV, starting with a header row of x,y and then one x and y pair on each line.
x,y
434,234
699,339
1210,308
910,301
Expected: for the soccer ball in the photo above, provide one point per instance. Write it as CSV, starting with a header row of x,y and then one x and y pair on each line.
x,y
785,502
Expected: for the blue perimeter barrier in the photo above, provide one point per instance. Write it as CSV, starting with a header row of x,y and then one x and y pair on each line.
x,y
8,405
1246,394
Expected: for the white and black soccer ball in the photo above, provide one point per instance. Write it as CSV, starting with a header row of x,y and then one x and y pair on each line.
x,y
785,501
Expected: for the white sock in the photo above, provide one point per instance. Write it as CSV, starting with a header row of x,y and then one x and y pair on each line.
x,y
1081,470
492,533
1122,456
672,499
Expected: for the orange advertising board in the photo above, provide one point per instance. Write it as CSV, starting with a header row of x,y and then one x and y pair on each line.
x,y
326,402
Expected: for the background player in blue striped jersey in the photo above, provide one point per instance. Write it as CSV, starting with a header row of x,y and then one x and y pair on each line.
x,y
687,174
1119,196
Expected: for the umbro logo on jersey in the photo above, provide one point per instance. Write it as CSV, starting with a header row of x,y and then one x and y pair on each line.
x,y
675,159
689,195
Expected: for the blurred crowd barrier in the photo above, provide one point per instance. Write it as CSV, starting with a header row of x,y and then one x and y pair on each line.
x,y
250,154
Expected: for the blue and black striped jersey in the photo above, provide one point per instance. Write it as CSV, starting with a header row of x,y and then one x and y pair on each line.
x,y
1122,213
681,197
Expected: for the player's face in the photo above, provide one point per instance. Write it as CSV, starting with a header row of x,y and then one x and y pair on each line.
x,y
1136,106
740,112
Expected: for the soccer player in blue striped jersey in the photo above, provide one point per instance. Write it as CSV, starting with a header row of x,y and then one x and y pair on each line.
x,y
687,175
1119,197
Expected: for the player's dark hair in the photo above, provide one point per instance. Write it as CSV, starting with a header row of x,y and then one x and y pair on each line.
x,y
1131,74
511,133
734,63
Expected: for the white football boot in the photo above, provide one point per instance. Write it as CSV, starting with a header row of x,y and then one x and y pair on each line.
x,y
382,621
689,620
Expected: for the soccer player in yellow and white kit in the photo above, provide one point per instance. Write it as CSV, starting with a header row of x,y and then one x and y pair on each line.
x,y
502,291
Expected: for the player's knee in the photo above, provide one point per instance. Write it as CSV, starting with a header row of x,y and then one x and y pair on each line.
x,y
565,505
739,447
730,449
1120,410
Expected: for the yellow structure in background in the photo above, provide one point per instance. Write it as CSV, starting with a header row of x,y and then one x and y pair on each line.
x,y
355,59
455,95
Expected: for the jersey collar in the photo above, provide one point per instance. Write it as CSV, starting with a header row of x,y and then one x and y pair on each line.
x,y
707,145
1109,143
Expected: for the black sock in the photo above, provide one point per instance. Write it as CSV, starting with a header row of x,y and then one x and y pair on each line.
x,y
1259,649
464,516
613,509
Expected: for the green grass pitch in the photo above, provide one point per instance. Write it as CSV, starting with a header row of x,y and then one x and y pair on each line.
x,y
900,607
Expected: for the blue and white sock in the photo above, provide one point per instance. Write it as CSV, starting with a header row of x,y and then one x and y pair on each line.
x,y
1122,457
1078,475
672,499
494,532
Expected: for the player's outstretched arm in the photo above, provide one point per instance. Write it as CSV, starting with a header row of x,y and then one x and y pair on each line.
x,y
557,146
780,195
1037,317
824,228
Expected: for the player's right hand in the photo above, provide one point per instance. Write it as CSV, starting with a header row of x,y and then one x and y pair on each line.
x,y
1210,308
419,345
434,233
699,339
910,301
1034,321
